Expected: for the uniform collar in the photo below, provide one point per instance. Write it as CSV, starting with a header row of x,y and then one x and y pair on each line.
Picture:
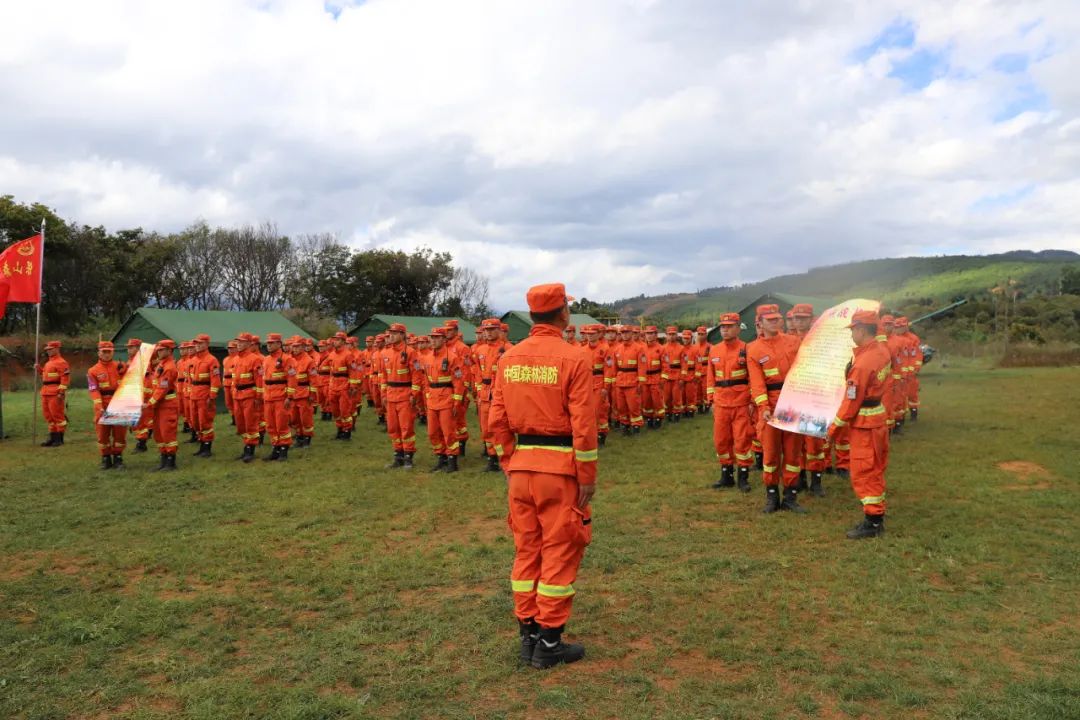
x,y
546,330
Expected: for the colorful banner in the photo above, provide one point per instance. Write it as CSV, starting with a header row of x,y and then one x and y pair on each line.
x,y
125,408
814,387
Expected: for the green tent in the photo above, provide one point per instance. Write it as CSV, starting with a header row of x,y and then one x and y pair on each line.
x,y
153,324
520,323
377,324
784,300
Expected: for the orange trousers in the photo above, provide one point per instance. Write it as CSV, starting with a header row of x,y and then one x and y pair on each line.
x,y
442,432
869,458
550,536
913,391
111,439
277,423
247,420
302,417
483,407
782,454
166,418
813,453
400,426
203,413
674,396
652,400
731,435
52,407
342,406
603,410
628,406
461,418
842,444
691,398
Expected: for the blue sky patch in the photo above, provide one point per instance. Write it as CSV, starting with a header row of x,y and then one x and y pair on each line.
x,y
900,33
1001,200
1027,97
921,68
1010,63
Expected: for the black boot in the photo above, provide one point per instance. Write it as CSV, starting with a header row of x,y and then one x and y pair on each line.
x,y
759,461
871,526
163,463
340,434
284,453
461,452
407,464
677,417
274,455
106,462
801,486
914,414
791,502
815,485
451,463
327,416
59,438
441,465
550,650
601,439
399,460
843,474
262,437
423,420
186,428
727,478
744,479
117,462
627,430
382,420
193,438
772,499
249,454
140,446
530,634
492,464
637,431
51,442
201,451
232,420
346,435
171,465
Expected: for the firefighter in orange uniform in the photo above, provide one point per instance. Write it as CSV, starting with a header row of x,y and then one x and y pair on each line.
x,y
768,360
652,398
863,413
444,379
300,372
183,390
141,429
689,374
703,349
247,374
273,392
630,364
227,377
570,334
102,380
814,449
486,354
456,345
55,379
203,387
401,377
729,391
164,404
912,366
544,420
341,374
603,375
672,375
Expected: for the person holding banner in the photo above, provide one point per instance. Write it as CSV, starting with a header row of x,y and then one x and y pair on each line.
x,y
769,358
814,449
863,413
163,404
55,379
141,429
102,380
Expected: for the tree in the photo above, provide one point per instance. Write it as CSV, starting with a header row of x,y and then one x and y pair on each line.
x,y
393,282
1070,281
466,295
255,264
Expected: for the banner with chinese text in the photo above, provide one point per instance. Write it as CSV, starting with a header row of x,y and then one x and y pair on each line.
x,y
20,268
125,408
814,387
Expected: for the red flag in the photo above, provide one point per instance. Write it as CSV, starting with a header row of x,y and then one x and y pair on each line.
x,y
5,289
20,268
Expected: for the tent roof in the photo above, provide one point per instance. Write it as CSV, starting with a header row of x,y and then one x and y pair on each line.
x,y
576,319
221,325
420,325
820,304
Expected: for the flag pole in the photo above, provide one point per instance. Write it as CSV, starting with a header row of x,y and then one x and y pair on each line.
x,y
37,338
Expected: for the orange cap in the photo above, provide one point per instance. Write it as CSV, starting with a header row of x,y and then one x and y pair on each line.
x,y
273,337
398,327
167,344
702,329
438,332
729,319
105,345
864,317
545,298
769,311
803,310
134,342
202,337
52,345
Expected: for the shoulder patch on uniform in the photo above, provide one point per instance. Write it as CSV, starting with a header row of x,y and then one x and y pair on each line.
x,y
763,359
852,390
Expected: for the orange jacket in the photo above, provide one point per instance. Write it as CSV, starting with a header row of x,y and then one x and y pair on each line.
x,y
444,375
726,376
703,350
485,359
247,374
205,371
914,356
630,363
275,377
543,411
603,367
400,374
164,394
55,376
654,363
299,374
227,366
457,345
862,406
769,360
341,371
690,362
102,380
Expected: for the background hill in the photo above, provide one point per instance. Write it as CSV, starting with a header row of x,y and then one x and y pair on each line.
x,y
901,283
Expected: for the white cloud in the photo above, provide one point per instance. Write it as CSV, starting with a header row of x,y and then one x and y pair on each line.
x,y
624,146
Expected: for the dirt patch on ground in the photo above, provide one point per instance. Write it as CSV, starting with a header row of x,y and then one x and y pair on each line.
x,y
21,565
1032,476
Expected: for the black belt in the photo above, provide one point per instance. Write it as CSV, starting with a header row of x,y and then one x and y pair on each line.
x,y
180,380
870,402
774,386
731,383
435,385
245,387
200,382
652,372
341,374
675,365
50,382
546,440
486,381
633,369
399,384
107,394
227,376
597,372
303,384
274,382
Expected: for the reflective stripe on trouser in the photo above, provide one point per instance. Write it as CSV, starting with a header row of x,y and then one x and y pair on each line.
x,y
628,406
111,439
461,418
843,448
869,457
652,401
166,417
691,396
731,435
603,411
549,541
202,418
52,407
442,432
483,407
342,406
400,425
813,453
277,423
912,390
780,449
674,395
247,420
302,417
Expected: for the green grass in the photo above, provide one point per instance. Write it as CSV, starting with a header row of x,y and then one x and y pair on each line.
x,y
329,587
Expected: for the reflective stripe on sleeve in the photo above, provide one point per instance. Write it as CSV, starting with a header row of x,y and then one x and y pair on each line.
x,y
586,455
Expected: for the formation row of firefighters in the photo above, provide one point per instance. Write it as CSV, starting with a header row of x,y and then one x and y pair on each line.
x,y
640,381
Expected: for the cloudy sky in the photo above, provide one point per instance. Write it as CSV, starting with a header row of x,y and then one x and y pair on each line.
x,y
623,146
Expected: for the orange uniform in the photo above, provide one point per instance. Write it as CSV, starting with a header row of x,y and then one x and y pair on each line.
x,y
674,384
102,380
912,366
691,380
630,364
652,391
458,346
55,380
729,391
486,356
603,373
543,416
203,388
340,394
247,374
400,378
444,380
164,405
227,380
300,373
703,350
272,389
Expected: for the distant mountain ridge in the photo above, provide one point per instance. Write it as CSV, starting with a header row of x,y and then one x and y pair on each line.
x,y
897,282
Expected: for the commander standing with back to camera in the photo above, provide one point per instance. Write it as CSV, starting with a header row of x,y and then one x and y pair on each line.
x,y
543,424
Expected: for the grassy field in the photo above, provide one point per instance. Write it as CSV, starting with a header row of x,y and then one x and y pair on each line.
x,y
328,587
